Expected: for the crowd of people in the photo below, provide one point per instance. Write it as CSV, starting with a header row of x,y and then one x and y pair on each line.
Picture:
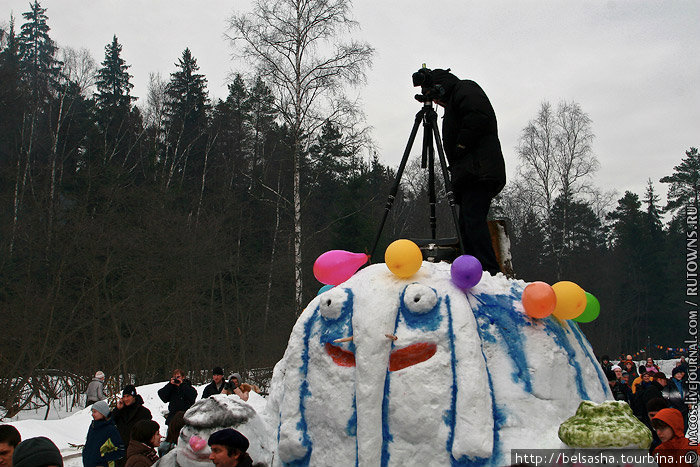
x,y
657,400
127,436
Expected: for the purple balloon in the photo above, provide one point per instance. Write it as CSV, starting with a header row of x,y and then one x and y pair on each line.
x,y
466,272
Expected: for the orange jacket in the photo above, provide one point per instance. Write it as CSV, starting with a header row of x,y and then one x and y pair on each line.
x,y
671,452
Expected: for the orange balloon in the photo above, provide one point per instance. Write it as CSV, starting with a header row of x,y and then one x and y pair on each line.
x,y
539,300
571,300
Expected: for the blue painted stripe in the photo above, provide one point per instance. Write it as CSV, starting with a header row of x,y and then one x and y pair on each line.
x,y
554,328
582,342
498,413
387,437
498,310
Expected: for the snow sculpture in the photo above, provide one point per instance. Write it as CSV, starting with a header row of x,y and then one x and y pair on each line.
x,y
387,371
213,414
610,424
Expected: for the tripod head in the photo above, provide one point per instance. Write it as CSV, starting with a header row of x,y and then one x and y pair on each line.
x,y
429,90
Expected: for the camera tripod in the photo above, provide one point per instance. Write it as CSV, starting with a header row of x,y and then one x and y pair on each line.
x,y
431,135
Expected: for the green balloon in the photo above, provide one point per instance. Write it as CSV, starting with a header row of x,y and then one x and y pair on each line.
x,y
591,311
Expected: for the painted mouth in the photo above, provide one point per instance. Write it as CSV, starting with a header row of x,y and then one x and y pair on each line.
x,y
399,358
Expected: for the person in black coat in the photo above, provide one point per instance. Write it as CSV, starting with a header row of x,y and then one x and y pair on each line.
x,y
129,410
676,391
647,392
216,385
473,150
178,393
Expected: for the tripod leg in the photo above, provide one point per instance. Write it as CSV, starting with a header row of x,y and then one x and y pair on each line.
x,y
432,117
428,160
397,181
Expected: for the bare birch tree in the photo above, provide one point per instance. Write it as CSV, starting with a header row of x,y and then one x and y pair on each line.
x,y
556,161
303,49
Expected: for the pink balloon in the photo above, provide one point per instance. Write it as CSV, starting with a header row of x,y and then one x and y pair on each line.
x,y
197,443
336,266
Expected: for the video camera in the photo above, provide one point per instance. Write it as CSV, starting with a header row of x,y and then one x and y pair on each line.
x,y
429,90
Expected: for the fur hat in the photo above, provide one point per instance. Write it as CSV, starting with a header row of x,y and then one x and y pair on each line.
x,y
230,438
102,407
129,389
100,375
36,452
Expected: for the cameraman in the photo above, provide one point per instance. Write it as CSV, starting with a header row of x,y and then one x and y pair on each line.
x,y
470,140
179,394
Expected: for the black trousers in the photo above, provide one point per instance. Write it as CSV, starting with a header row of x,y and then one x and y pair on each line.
x,y
473,210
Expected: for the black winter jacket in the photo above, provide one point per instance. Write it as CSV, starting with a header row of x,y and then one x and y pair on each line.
x,y
674,397
179,398
470,135
127,416
211,389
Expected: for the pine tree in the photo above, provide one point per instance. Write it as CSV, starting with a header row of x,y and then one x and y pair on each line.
x,y
11,93
187,96
113,81
187,107
118,123
685,183
37,51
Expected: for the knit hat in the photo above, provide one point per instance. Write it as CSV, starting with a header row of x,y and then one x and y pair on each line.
x,y
218,371
129,389
36,452
100,375
237,376
616,367
659,375
102,407
229,437
676,370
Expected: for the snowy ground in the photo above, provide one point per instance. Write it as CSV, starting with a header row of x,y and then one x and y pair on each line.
x,y
67,429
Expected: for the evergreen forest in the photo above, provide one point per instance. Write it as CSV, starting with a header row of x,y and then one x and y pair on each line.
x,y
176,230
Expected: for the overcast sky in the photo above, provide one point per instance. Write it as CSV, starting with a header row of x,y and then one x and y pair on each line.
x,y
631,64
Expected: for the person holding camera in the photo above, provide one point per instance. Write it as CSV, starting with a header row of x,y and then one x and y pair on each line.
x,y
178,393
473,151
233,386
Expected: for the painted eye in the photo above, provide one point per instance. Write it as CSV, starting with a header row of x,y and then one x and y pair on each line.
x,y
332,303
419,298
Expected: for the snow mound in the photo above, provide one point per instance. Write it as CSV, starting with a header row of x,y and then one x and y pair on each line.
x,y
468,377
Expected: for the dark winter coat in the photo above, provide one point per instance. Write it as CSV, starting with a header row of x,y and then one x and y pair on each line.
x,y
127,416
645,393
470,135
103,444
211,389
621,392
140,455
179,397
674,397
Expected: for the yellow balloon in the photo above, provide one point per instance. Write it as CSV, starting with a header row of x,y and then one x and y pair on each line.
x,y
403,258
571,300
